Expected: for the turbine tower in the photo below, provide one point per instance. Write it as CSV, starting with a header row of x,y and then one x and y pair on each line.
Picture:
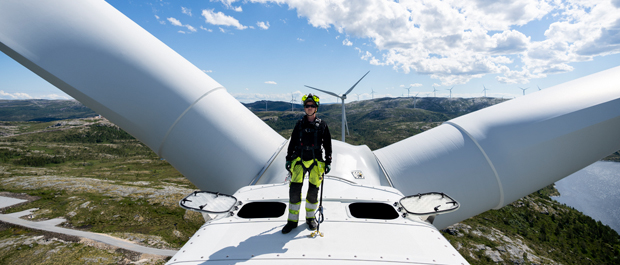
x,y
372,93
485,91
415,99
408,90
450,91
524,90
292,101
434,92
343,97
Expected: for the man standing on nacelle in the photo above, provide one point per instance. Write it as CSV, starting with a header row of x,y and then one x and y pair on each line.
x,y
305,156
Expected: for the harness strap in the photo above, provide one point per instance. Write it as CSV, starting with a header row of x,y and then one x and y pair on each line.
x,y
307,170
317,125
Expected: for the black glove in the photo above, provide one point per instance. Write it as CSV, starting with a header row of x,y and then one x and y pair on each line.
x,y
328,168
288,165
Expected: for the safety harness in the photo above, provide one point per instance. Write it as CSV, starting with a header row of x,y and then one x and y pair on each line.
x,y
317,124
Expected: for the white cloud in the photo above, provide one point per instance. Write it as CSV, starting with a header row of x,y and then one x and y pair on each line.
x,y
455,41
228,4
206,29
253,97
208,71
176,22
54,96
222,30
415,85
186,11
366,56
346,42
16,95
300,39
271,83
263,25
220,19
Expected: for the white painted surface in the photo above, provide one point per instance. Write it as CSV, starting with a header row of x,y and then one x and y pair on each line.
x,y
499,154
346,239
94,53
346,158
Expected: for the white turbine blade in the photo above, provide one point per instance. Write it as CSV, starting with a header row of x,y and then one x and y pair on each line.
x,y
326,92
494,156
100,57
346,93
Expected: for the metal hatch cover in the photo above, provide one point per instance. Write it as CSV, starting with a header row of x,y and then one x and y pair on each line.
x,y
208,202
430,203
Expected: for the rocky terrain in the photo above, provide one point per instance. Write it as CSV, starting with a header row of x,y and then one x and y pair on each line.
x,y
100,179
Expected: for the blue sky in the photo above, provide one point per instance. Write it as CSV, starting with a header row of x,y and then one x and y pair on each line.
x,y
270,49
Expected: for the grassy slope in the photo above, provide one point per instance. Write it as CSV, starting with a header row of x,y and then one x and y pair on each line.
x,y
104,181
42,110
107,161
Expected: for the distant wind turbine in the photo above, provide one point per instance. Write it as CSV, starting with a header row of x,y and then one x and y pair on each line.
x,y
450,91
408,88
538,88
343,97
415,99
372,94
292,101
485,91
435,90
524,89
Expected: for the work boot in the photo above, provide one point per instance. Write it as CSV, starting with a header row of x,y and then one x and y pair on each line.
x,y
290,225
312,224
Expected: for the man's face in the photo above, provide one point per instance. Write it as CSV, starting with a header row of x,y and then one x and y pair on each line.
x,y
310,107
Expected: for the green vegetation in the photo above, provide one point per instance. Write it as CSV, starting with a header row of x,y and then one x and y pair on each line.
x,y
99,178
550,229
107,214
42,110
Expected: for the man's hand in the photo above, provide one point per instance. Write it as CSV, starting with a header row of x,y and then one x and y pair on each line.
x,y
288,165
328,168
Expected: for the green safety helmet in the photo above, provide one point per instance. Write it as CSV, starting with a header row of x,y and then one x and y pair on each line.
x,y
310,97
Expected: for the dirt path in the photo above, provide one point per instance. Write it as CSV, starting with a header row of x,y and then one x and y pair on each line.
x,y
51,226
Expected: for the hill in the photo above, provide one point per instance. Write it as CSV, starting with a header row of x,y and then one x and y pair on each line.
x,y
43,110
101,179
382,121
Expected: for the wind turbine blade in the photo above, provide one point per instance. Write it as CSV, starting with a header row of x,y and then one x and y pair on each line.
x,y
502,152
346,93
326,92
94,53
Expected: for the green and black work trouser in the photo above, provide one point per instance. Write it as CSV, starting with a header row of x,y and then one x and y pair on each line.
x,y
299,168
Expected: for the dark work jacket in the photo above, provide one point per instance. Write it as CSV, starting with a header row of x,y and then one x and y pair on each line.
x,y
306,139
